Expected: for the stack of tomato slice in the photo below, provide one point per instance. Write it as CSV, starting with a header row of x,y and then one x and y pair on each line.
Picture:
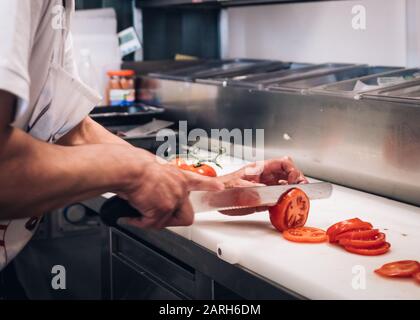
x,y
357,236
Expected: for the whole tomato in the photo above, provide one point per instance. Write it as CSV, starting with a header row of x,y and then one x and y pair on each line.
x,y
203,169
200,168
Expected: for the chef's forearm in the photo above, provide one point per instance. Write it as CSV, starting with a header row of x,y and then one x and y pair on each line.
x,y
90,132
36,177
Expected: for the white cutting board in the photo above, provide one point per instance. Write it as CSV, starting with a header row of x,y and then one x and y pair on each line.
x,y
317,271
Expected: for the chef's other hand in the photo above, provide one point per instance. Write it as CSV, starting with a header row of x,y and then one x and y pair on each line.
x,y
270,172
160,193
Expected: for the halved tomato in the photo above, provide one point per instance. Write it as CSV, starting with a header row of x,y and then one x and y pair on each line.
x,y
291,210
373,251
347,225
305,234
404,268
358,234
416,277
363,243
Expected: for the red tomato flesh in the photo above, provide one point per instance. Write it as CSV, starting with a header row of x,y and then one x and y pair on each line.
x,y
305,234
358,234
291,210
347,225
364,243
416,277
404,268
373,251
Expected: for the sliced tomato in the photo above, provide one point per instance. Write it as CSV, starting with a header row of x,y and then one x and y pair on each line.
x,y
291,210
404,268
305,234
358,234
347,225
416,277
364,243
374,251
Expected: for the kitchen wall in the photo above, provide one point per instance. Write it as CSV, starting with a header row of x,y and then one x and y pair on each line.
x,y
322,31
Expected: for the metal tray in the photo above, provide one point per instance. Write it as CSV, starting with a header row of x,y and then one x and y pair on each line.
x,y
354,87
286,66
159,66
264,80
241,78
210,69
186,73
407,92
244,72
240,69
328,77
149,142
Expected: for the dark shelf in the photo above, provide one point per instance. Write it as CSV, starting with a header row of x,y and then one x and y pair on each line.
x,y
177,4
213,3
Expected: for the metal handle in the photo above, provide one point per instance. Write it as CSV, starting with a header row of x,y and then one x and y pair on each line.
x,y
115,208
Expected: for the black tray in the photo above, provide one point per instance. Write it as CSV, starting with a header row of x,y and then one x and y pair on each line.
x,y
137,114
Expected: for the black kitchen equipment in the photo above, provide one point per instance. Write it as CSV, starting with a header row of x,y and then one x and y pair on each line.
x,y
137,114
115,208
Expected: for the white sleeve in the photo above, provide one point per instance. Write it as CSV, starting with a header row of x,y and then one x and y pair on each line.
x,y
69,61
15,47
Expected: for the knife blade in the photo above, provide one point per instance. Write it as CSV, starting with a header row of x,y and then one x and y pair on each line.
x,y
228,199
249,197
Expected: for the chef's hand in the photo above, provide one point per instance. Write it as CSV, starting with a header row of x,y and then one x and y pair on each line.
x,y
160,192
270,172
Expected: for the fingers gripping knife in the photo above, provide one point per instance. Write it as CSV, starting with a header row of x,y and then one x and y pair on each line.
x,y
234,198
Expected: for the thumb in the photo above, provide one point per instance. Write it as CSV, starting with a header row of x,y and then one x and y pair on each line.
x,y
198,182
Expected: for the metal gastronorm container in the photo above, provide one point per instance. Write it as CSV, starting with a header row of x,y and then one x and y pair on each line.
x,y
219,68
309,81
371,82
296,71
406,92
242,78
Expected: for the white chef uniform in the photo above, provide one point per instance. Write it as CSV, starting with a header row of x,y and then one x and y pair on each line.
x,y
37,66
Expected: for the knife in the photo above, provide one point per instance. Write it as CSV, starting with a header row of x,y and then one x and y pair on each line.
x,y
228,199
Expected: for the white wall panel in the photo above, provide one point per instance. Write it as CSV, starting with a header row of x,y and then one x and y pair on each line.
x,y
320,32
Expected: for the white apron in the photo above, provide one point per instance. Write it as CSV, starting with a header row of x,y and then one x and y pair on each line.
x,y
62,105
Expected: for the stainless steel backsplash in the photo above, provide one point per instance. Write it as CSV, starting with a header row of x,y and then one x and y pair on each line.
x,y
365,144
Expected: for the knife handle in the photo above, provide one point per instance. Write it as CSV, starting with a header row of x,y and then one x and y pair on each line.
x,y
115,208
